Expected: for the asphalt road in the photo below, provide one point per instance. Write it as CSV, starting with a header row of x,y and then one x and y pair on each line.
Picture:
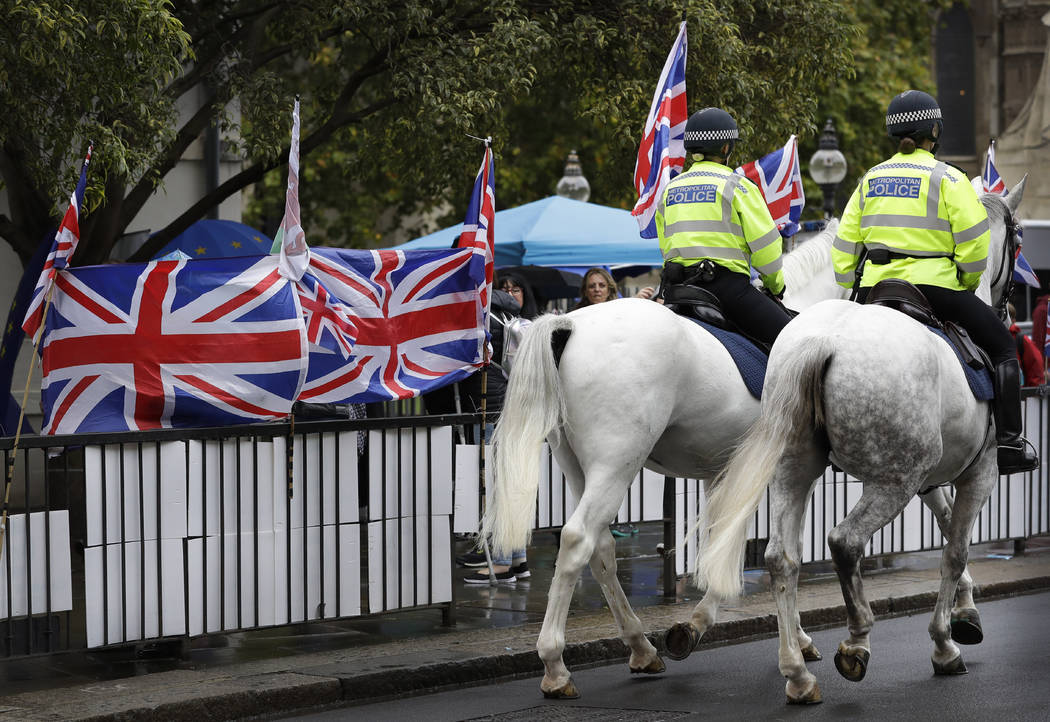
x,y
1008,680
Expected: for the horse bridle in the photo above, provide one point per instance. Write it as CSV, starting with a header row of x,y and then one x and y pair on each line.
x,y
1006,263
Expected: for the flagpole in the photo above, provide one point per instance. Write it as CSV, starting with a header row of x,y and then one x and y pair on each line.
x,y
9,474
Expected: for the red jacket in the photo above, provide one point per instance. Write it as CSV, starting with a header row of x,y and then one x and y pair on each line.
x,y
1029,356
1039,323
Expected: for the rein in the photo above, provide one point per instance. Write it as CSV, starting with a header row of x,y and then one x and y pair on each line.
x,y
1007,261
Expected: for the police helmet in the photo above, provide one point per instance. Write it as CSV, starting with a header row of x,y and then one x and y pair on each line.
x,y
914,114
708,130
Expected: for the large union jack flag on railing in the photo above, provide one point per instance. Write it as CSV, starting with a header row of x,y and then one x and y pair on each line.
x,y
167,344
661,154
416,317
779,178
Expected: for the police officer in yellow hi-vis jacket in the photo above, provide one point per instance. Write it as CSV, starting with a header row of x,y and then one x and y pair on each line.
x,y
713,224
920,220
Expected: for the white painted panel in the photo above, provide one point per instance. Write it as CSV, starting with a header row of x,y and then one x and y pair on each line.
x,y
349,502
467,507
40,562
124,591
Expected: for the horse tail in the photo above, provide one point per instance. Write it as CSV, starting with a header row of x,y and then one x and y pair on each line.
x,y
792,404
533,410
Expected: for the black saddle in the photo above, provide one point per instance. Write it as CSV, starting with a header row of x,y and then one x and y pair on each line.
x,y
686,299
909,300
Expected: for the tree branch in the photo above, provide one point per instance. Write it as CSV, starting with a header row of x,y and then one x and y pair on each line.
x,y
252,174
142,191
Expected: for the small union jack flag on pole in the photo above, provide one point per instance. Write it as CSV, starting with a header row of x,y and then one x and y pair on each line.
x,y
479,228
62,248
991,182
291,239
779,178
661,155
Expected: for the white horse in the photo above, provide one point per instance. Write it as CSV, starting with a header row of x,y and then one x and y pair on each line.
x,y
882,397
613,387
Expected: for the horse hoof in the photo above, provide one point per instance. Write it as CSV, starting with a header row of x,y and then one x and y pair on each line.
x,y
566,691
810,696
852,665
655,667
954,666
680,640
966,627
811,653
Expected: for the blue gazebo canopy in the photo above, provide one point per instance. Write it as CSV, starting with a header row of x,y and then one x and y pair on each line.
x,y
560,232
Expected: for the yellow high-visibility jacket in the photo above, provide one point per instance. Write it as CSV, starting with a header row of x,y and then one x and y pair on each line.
x,y
917,206
711,212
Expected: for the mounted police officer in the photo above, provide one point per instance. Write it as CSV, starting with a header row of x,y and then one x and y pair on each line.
x,y
920,220
713,223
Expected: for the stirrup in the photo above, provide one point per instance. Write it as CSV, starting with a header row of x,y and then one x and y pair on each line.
x,y
1017,459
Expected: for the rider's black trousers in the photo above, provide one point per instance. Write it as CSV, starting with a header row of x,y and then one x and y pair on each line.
x,y
754,312
973,314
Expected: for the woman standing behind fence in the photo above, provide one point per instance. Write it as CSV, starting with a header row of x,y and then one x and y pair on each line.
x,y
513,306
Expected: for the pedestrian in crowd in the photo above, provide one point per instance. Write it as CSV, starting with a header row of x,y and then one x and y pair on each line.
x,y
714,226
512,308
598,286
1039,323
921,221
1027,352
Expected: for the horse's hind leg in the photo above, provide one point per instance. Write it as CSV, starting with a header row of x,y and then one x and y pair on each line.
x,y
795,476
579,544
644,657
881,500
965,621
971,491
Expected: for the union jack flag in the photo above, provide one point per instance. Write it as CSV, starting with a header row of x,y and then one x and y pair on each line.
x,y
479,227
779,178
419,323
661,155
170,344
61,249
990,180
329,323
1023,271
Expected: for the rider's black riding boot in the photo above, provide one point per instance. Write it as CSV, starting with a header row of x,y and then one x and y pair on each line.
x,y
1015,454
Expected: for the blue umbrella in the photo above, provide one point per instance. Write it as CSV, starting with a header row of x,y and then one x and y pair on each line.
x,y
560,232
218,239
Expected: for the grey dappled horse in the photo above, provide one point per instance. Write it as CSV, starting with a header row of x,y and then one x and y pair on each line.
x,y
886,400
635,384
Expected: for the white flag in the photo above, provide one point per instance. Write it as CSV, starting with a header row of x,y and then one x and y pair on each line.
x,y
295,254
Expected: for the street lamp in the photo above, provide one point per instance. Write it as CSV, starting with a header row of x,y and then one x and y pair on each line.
x,y
827,167
573,185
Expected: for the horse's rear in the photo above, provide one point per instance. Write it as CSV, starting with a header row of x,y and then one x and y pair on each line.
x,y
885,400
612,387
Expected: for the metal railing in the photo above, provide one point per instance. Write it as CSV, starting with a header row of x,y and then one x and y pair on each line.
x,y
118,539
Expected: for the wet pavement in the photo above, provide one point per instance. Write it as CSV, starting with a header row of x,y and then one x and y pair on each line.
x,y
306,666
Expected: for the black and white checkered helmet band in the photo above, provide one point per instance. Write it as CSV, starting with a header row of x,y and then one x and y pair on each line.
x,y
912,116
704,135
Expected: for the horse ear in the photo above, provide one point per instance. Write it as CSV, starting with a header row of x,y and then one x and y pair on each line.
x,y
1013,198
1016,193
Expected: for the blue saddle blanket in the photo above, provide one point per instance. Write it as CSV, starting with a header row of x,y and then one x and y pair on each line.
x,y
751,362
980,381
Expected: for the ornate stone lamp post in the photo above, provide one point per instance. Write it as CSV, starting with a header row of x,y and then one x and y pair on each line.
x,y
827,167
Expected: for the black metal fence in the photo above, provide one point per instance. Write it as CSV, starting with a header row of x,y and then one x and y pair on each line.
x,y
115,539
